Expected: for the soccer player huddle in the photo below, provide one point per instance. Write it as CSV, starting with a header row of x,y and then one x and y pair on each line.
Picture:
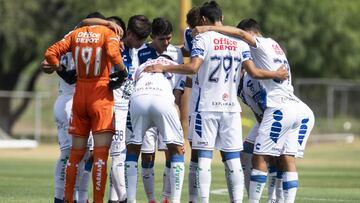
x,y
120,95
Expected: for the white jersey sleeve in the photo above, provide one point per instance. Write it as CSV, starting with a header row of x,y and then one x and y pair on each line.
x,y
174,53
219,74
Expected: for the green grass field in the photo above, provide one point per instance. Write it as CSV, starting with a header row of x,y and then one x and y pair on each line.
x,y
330,172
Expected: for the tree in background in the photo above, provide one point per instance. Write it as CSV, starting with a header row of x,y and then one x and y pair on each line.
x,y
26,29
321,37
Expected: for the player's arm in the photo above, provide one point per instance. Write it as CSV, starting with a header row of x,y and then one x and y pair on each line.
x,y
53,53
227,30
258,73
98,21
198,53
188,82
188,68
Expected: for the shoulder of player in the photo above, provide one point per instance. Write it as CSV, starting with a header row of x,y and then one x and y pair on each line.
x,y
172,48
145,49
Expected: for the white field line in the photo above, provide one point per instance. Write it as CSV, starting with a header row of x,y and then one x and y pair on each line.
x,y
225,192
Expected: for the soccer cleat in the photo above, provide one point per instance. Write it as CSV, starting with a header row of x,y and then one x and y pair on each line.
x,y
152,201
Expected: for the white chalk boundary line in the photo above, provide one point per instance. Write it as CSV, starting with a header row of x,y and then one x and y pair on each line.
x,y
225,192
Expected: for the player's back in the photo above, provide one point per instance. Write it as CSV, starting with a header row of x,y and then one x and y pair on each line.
x,y
219,74
94,49
161,84
269,55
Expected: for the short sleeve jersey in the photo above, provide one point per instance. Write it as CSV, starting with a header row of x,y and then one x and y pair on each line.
x,y
219,74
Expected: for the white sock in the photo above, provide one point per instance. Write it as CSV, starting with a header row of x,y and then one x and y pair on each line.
x,y
147,173
247,166
257,184
204,174
85,179
131,166
235,175
117,176
177,172
166,182
279,187
193,182
272,184
112,192
59,174
290,185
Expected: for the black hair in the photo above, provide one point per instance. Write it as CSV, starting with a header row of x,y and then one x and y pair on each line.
x,y
118,21
95,14
165,56
161,26
193,17
212,11
139,25
249,24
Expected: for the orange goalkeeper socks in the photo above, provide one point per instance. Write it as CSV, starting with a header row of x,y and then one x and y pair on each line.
x,y
71,170
99,172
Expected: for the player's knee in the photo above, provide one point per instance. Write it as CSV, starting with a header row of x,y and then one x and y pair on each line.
x,y
175,149
259,162
148,158
287,163
133,149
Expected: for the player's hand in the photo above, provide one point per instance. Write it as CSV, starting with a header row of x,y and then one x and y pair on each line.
x,y
117,79
46,67
157,68
122,46
282,73
199,29
118,30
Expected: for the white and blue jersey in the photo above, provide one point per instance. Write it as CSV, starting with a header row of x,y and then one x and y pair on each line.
x,y
146,52
217,122
251,93
268,55
219,75
122,94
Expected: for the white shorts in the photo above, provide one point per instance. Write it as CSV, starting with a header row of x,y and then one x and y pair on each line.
x,y
62,113
152,140
276,131
221,130
118,141
307,121
154,111
253,134
149,141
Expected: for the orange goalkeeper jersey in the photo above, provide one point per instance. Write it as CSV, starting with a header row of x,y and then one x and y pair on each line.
x,y
94,50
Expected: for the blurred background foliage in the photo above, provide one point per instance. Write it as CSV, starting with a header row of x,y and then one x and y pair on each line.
x,y
321,37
